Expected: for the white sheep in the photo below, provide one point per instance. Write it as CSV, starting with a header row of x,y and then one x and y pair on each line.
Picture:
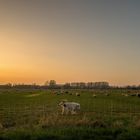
x,y
77,94
71,107
94,95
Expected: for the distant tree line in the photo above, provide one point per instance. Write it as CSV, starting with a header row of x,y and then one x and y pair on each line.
x,y
89,85
74,85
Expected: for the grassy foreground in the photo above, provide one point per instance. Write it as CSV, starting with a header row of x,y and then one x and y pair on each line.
x,y
76,133
35,115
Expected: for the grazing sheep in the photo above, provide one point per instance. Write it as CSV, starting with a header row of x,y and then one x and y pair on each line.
x,y
138,94
70,93
94,95
71,107
126,95
55,92
107,94
133,94
58,93
61,92
77,94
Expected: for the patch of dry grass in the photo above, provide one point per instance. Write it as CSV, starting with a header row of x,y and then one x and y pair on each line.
x,y
32,95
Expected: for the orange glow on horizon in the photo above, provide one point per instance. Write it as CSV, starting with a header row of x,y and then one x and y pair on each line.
x,y
69,42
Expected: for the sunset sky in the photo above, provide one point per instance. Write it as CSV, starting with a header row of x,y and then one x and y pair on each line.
x,y
70,40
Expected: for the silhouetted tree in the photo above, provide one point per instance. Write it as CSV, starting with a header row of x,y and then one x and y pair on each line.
x,y
52,83
66,85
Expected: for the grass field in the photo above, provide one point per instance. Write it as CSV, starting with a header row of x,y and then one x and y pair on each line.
x,y
35,114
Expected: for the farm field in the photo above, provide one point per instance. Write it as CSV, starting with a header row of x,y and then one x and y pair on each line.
x,y
35,114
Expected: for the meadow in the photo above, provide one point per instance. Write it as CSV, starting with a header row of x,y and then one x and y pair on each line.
x,y
35,114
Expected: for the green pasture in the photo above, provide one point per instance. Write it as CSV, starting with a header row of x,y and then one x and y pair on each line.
x,y
39,110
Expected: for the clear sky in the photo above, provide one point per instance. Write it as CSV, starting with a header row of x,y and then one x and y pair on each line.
x,y
70,40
